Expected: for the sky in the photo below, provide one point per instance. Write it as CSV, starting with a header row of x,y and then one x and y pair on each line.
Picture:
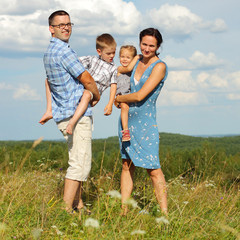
x,y
201,95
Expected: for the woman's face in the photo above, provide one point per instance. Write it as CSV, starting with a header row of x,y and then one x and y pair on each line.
x,y
148,46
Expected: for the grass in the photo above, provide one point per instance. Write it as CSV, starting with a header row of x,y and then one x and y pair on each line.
x,y
201,206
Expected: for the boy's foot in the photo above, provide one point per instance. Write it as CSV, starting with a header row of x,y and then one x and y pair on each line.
x,y
126,135
46,117
69,128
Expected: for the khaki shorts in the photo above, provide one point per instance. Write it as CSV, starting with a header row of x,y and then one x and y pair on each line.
x,y
79,148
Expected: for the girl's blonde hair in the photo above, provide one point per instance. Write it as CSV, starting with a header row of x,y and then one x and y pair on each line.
x,y
131,48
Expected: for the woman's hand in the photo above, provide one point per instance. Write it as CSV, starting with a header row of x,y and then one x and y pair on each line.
x,y
116,102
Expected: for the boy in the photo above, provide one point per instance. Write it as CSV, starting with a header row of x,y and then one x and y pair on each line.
x,y
103,71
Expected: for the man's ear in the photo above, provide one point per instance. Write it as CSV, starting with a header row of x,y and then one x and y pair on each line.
x,y
51,29
99,52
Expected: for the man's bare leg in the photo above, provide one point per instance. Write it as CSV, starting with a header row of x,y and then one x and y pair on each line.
x,y
81,109
70,190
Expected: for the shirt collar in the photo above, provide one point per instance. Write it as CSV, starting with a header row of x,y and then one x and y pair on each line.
x,y
60,42
112,63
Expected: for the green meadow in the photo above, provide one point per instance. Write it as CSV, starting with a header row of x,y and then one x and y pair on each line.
x,y
203,182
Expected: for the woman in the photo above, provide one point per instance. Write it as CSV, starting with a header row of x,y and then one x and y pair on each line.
x,y
147,79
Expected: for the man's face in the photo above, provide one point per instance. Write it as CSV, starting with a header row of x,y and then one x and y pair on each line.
x,y
107,54
61,33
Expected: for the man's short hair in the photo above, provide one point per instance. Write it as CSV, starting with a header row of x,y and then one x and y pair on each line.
x,y
105,40
56,13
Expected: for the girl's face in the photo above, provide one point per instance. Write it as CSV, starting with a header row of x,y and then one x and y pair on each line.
x,y
148,46
126,57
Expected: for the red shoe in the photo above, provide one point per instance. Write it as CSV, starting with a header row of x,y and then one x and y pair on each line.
x,y
126,135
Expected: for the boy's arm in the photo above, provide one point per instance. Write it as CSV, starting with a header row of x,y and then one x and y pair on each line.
x,y
130,66
108,108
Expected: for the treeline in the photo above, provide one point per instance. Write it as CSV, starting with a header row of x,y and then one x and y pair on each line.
x,y
192,157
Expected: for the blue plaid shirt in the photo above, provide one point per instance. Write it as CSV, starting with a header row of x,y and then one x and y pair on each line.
x,y
62,68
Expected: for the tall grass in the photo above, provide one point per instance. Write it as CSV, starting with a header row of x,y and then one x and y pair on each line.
x,y
203,197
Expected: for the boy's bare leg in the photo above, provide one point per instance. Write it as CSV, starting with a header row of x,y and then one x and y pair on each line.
x,y
48,114
124,115
81,109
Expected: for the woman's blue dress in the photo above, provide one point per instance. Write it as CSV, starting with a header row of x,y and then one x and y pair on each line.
x,y
143,148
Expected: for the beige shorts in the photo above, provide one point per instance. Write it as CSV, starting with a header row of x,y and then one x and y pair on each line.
x,y
79,148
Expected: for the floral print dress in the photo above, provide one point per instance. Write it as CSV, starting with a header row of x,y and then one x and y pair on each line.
x,y
143,148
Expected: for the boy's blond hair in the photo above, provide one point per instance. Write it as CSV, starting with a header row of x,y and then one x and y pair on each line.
x,y
105,40
130,48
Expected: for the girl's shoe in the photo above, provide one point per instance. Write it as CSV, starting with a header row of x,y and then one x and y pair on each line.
x,y
126,135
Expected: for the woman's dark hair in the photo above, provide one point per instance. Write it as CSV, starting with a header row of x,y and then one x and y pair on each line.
x,y
151,32
56,13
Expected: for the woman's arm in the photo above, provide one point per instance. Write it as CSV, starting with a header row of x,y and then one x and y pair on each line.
x,y
157,75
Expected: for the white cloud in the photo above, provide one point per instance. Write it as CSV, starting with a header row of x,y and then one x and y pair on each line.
x,y
233,96
4,86
178,63
181,98
179,22
218,26
198,60
25,92
181,81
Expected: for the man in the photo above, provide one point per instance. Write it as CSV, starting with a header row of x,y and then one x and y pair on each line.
x,y
67,79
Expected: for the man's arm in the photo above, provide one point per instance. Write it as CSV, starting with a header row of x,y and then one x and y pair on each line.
x,y
88,82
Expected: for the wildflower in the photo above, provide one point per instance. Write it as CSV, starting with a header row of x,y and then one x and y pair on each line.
x,y
114,194
132,202
73,224
209,185
162,219
57,230
186,202
36,232
144,212
91,222
142,232
3,227
60,169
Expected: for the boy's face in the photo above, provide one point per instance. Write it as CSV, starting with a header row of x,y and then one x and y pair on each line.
x,y
107,54
126,57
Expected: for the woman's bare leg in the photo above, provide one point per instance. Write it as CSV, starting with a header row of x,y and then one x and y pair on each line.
x,y
126,182
160,187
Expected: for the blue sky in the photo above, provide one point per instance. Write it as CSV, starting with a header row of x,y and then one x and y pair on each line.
x,y
201,47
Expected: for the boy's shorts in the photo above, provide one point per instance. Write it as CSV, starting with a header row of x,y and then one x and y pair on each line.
x,y
79,148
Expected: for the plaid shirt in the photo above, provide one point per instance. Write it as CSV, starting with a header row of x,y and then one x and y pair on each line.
x,y
103,73
62,68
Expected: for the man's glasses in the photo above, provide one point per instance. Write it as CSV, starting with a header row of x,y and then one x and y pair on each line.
x,y
63,25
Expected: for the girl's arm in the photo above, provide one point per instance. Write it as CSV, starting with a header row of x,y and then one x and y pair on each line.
x,y
130,66
154,79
